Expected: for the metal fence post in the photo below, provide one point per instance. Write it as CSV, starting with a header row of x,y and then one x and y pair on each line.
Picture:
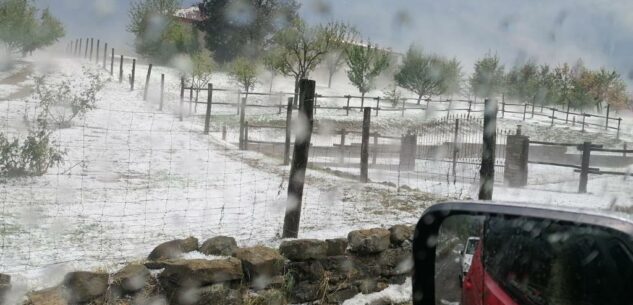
x,y
455,150
105,55
606,124
97,54
487,171
182,98
584,167
299,163
364,146
149,73
133,74
121,69
162,92
288,123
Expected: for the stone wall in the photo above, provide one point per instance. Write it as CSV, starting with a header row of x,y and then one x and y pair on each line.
x,y
301,271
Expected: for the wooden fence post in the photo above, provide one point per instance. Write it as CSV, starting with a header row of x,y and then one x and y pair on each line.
x,y
377,104
567,114
606,123
239,100
246,135
618,133
80,46
524,110
408,151
288,123
448,110
121,69
342,146
242,123
97,54
112,63
347,107
470,104
86,50
487,171
553,115
105,56
92,42
207,116
149,73
584,167
162,92
624,148
404,102
182,98
299,163
223,132
532,110
503,106
455,150
583,122
364,146
133,74
280,103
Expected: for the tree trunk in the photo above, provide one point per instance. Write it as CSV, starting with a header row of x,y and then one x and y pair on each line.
x,y
419,98
296,97
362,101
272,77
195,106
329,81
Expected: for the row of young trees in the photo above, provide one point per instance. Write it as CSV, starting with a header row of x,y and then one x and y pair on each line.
x,y
574,86
24,29
242,37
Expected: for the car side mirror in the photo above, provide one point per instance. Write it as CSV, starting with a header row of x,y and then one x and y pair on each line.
x,y
521,255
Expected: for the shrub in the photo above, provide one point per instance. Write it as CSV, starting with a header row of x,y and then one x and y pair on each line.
x,y
61,104
30,157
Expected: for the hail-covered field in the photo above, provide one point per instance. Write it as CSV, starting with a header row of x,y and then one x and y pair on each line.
x,y
134,176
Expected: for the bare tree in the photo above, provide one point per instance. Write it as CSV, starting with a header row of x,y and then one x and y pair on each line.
x,y
300,48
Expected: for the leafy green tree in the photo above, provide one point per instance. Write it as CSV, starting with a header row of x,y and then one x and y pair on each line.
x,y
428,75
487,79
244,72
21,30
604,86
202,66
365,64
451,77
545,86
158,35
239,28
299,49
522,82
569,91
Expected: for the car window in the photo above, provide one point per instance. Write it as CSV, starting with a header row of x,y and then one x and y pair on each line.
x,y
126,125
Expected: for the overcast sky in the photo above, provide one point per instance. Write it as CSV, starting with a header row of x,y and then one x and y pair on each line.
x,y
599,31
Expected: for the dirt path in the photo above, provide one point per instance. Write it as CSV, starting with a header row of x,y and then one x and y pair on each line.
x,y
18,79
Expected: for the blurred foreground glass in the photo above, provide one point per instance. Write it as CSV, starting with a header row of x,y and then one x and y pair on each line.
x,y
500,260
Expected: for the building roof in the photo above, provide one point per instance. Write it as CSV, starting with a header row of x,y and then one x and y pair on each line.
x,y
190,14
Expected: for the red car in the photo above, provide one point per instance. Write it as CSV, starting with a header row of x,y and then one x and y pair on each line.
x,y
479,288
524,263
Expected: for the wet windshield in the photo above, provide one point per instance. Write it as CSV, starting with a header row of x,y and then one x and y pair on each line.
x,y
294,144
